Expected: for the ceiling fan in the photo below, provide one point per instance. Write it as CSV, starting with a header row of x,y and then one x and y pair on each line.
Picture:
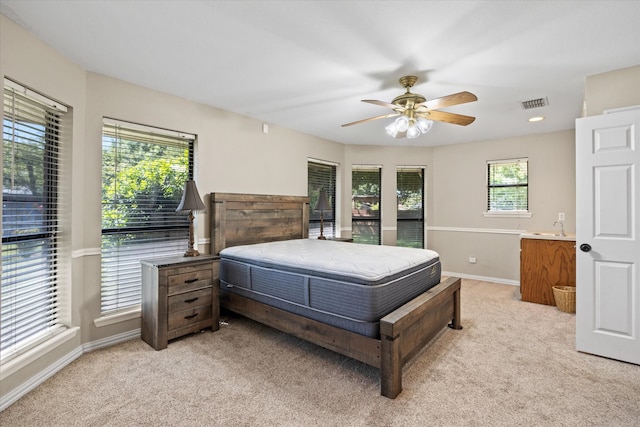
x,y
416,114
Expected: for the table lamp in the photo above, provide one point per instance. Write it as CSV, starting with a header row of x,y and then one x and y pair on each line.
x,y
191,202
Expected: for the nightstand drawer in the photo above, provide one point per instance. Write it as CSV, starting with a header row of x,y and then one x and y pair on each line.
x,y
189,300
189,281
190,316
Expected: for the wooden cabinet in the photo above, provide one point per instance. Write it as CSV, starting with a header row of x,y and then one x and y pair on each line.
x,y
545,263
179,296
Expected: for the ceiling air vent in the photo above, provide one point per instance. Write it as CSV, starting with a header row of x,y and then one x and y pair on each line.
x,y
535,103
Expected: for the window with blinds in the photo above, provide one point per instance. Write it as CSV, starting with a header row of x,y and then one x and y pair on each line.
x,y
507,185
410,212
321,176
33,136
143,174
366,185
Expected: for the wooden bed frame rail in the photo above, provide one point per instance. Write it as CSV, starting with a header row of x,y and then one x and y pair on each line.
x,y
244,219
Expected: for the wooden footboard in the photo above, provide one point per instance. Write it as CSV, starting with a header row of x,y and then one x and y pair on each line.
x,y
408,329
403,332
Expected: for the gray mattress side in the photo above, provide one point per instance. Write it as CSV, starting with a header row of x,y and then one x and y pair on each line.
x,y
351,306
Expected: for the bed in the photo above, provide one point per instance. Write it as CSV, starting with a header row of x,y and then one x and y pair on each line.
x,y
381,308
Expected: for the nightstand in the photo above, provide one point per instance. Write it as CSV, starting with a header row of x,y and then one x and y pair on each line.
x,y
179,296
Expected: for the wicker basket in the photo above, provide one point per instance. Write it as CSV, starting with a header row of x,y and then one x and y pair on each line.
x,y
565,298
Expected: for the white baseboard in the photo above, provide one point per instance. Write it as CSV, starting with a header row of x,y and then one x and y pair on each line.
x,y
113,340
13,396
483,278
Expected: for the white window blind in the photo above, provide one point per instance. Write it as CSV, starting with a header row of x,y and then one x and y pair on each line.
x,y
366,187
507,185
33,142
143,174
321,176
410,211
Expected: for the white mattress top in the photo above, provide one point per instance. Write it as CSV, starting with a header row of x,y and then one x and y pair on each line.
x,y
368,262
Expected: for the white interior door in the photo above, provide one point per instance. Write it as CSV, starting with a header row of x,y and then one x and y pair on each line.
x,y
608,247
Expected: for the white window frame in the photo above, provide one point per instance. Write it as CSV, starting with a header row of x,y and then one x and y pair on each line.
x,y
27,340
125,280
507,213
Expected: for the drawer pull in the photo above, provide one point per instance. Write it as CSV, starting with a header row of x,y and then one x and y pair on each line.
x,y
191,316
191,280
190,300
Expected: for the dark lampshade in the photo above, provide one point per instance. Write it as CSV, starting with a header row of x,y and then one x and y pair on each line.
x,y
323,202
191,202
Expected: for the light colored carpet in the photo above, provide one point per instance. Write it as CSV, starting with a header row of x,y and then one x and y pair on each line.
x,y
513,364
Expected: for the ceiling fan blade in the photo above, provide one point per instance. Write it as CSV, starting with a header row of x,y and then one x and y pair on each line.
x,y
371,119
442,116
385,104
447,101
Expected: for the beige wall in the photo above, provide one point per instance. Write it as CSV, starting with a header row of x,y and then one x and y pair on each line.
x,y
615,89
458,228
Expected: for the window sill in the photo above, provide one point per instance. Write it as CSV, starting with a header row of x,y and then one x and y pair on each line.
x,y
507,214
117,317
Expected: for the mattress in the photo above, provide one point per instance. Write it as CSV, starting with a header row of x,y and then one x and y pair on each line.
x,y
347,285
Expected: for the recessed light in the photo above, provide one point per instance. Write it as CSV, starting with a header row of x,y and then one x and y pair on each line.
x,y
536,119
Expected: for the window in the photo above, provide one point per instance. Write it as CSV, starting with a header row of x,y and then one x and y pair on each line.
x,y
366,184
321,176
33,136
143,174
410,192
507,186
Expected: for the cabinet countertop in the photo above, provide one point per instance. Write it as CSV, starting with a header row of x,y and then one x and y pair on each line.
x,y
547,236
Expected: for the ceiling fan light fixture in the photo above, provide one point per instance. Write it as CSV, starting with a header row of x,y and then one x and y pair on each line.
x,y
402,123
392,129
424,125
409,127
413,132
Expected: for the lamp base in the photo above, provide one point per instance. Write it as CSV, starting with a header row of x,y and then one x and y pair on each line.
x,y
192,252
322,238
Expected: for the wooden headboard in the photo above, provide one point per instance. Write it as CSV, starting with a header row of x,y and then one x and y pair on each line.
x,y
241,219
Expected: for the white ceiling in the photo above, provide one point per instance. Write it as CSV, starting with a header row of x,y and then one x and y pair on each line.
x,y
306,65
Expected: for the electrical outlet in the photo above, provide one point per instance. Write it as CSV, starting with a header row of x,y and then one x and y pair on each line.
x,y
472,260
561,216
